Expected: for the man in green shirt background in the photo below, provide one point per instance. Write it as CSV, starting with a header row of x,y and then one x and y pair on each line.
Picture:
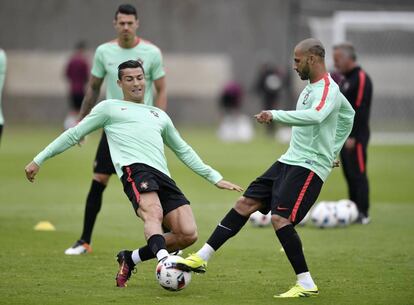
x,y
106,60
321,123
136,136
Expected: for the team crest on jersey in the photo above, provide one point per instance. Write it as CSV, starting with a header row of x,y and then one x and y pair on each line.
x,y
143,185
306,98
154,113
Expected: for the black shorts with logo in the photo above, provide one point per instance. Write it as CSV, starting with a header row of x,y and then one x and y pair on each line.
x,y
140,178
286,190
103,162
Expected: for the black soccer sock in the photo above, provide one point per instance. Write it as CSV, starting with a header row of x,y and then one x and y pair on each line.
x,y
145,253
156,243
227,228
92,208
292,245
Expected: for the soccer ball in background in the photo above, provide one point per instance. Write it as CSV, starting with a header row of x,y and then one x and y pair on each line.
x,y
169,277
351,206
323,215
257,219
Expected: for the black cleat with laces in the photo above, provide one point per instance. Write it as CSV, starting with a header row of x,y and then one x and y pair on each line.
x,y
126,267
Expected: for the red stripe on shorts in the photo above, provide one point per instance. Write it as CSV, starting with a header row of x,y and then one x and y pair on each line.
x,y
134,187
301,195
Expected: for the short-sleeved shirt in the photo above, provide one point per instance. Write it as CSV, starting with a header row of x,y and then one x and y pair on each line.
x,y
3,63
109,55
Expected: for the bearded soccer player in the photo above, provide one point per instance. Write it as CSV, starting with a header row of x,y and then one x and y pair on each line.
x,y
357,87
136,136
107,58
321,123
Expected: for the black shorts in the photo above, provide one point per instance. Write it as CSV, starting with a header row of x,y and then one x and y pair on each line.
x,y
76,101
140,178
103,162
286,190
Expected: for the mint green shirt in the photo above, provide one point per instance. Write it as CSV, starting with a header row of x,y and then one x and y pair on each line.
x,y
3,66
321,123
136,134
110,55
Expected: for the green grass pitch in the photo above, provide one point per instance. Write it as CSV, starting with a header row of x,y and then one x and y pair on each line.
x,y
359,265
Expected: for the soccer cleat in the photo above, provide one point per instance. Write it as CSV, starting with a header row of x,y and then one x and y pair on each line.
x,y
80,247
362,219
193,263
298,291
126,266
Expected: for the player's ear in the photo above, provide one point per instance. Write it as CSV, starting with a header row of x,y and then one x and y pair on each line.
x,y
119,83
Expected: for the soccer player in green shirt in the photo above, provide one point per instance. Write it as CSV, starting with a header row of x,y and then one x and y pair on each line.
x,y
136,136
107,57
321,123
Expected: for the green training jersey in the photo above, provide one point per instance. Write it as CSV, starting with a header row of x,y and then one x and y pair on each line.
x,y
3,64
136,134
109,55
321,123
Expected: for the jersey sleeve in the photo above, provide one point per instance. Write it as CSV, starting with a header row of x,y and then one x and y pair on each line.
x,y
97,118
323,104
187,155
157,67
98,66
344,125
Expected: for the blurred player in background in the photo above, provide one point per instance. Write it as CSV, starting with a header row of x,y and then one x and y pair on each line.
x,y
269,86
77,74
107,58
137,134
356,85
3,68
321,123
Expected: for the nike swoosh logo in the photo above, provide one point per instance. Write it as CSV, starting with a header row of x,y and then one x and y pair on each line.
x,y
124,108
281,209
220,225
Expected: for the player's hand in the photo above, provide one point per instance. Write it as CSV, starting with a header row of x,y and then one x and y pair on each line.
x,y
336,163
31,170
264,117
226,185
350,143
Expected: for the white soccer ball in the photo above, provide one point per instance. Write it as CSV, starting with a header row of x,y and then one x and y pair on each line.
x,y
257,219
169,277
343,215
351,206
323,215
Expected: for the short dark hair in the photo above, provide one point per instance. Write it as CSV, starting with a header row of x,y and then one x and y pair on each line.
x,y
126,9
348,48
128,65
318,51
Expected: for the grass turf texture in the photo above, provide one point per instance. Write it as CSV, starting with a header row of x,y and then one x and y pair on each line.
x,y
371,264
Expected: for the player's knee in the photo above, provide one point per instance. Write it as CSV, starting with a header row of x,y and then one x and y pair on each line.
x,y
244,206
188,239
279,221
101,178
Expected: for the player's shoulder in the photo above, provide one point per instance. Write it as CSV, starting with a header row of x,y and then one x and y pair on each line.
x,y
107,45
146,44
2,54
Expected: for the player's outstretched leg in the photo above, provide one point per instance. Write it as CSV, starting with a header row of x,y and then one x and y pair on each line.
x,y
229,226
92,208
289,238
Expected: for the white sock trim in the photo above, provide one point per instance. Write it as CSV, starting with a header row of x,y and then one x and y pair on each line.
x,y
135,256
305,280
161,254
206,252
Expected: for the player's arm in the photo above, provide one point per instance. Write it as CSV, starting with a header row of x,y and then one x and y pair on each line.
x,y
322,106
96,119
91,96
161,90
344,125
190,158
